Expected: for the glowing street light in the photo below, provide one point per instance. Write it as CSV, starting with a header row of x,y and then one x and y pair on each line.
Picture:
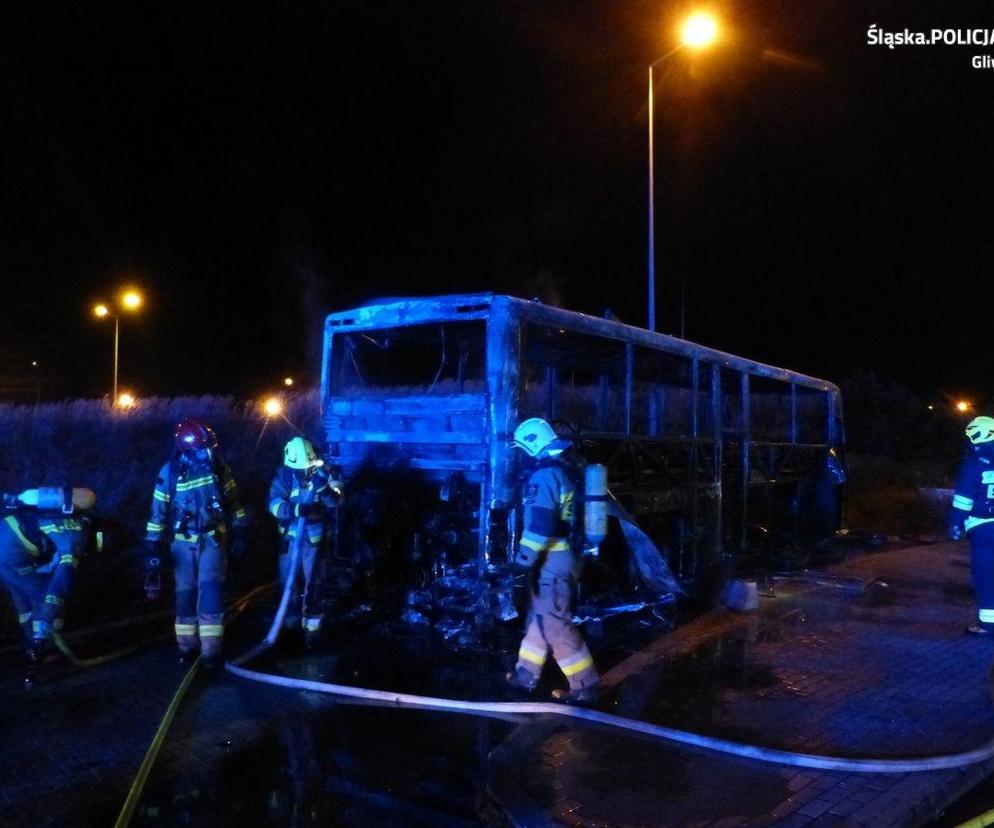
x,y
288,381
126,401
962,406
699,31
272,406
129,300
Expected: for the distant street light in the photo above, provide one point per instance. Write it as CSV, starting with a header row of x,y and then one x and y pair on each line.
x,y
698,32
288,381
129,299
963,406
126,401
272,406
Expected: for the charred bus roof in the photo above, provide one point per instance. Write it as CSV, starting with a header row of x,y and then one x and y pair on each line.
x,y
397,312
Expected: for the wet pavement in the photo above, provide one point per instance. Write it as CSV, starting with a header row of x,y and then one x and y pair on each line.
x,y
864,659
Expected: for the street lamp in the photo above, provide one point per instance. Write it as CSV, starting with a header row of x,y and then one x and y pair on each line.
x,y
130,300
272,406
698,32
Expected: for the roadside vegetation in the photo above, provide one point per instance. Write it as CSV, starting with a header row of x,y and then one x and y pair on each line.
x,y
902,458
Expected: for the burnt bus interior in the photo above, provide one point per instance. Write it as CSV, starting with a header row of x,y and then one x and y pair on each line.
x,y
717,458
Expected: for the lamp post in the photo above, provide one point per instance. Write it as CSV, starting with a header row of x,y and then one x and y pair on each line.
x,y
697,32
129,300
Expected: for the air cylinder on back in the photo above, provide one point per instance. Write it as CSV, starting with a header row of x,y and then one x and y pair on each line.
x,y
594,504
58,498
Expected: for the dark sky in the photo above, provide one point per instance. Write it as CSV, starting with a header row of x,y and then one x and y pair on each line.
x,y
826,203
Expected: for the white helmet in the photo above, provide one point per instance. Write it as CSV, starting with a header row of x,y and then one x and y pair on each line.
x,y
980,430
534,435
300,454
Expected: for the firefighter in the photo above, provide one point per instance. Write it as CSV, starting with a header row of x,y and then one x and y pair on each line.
x,y
303,493
548,544
196,516
972,514
40,549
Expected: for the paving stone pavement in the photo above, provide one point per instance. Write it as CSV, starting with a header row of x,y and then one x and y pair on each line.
x,y
72,745
866,660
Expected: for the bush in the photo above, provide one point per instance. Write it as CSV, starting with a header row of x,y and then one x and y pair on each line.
x,y
896,447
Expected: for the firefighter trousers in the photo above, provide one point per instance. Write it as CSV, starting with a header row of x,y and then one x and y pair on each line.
x,y
200,567
550,626
305,609
982,568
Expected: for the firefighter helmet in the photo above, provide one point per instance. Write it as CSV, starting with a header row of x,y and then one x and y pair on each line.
x,y
980,430
534,435
191,435
300,454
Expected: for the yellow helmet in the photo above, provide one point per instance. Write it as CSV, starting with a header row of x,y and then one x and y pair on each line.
x,y
534,435
980,430
300,454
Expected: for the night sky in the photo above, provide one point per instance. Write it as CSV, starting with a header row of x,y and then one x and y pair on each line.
x,y
825,202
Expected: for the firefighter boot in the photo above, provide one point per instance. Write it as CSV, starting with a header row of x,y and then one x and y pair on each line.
x,y
188,656
311,627
578,695
522,679
37,652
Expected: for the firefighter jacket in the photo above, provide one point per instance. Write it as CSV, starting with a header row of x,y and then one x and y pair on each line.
x,y
549,501
193,499
973,497
289,489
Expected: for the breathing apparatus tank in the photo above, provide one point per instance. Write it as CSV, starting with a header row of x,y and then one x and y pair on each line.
x,y
52,499
594,506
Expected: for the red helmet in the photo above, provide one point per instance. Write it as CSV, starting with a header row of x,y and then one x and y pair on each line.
x,y
192,436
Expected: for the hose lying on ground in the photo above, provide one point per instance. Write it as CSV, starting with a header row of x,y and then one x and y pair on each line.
x,y
595,717
138,784
503,709
236,608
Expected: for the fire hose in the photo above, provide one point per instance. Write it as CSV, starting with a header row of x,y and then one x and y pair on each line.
x,y
515,710
594,717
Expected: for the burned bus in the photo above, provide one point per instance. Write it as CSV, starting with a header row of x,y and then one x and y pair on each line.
x,y
712,455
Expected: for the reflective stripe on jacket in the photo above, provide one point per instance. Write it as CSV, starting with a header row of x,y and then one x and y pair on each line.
x,y
286,492
973,497
549,512
206,500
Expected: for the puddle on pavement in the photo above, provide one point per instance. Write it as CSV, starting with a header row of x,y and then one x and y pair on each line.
x,y
313,762
306,759
691,691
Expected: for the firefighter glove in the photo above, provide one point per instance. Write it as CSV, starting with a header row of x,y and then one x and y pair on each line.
x,y
153,556
524,560
239,542
153,570
309,511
